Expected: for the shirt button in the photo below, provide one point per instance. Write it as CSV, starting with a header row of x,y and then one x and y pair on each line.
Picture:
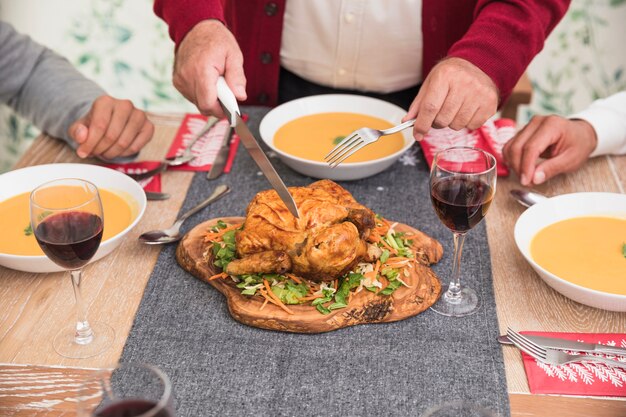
x,y
349,17
271,8
266,58
342,71
263,98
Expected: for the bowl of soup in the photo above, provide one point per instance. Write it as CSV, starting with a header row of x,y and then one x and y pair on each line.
x,y
577,244
123,202
301,132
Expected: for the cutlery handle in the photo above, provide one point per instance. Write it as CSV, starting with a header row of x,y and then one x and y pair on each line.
x,y
228,100
605,361
608,350
398,128
220,191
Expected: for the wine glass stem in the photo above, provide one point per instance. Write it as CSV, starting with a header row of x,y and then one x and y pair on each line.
x,y
84,334
454,290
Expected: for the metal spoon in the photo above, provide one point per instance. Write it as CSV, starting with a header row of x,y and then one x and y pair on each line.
x,y
160,237
527,198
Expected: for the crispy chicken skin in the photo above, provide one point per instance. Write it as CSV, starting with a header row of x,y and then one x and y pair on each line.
x,y
327,241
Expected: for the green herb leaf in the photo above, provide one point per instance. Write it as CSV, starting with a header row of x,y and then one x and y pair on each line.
x,y
624,250
28,230
322,309
338,139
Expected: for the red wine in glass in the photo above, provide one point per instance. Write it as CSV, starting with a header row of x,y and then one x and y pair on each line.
x,y
70,239
462,186
131,408
67,219
461,203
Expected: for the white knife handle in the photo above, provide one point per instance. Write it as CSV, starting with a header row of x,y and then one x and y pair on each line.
x,y
228,100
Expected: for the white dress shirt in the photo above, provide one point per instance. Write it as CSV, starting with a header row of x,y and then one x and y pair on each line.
x,y
608,118
366,45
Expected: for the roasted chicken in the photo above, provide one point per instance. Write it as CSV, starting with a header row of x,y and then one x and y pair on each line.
x,y
326,242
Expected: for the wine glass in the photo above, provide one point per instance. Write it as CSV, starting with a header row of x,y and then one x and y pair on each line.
x,y
128,390
67,220
462,186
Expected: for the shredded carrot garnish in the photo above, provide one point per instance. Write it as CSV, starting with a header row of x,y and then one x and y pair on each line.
x,y
335,284
384,281
398,259
264,303
220,275
311,297
349,297
397,264
273,296
385,244
374,238
295,278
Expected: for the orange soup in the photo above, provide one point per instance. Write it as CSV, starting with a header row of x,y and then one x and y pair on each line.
x,y
17,237
312,137
587,251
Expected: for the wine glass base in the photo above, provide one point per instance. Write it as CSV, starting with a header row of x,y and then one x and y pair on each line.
x,y
465,305
65,344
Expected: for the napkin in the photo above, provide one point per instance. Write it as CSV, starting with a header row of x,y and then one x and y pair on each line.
x,y
149,184
206,148
490,137
578,378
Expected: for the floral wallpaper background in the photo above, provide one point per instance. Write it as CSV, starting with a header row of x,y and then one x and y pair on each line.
x,y
124,47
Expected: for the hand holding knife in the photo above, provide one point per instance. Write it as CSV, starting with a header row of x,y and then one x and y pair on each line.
x,y
231,108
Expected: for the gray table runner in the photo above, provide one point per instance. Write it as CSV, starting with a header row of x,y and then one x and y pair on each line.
x,y
221,367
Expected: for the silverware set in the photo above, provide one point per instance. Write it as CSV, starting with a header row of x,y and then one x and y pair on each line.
x,y
552,350
185,157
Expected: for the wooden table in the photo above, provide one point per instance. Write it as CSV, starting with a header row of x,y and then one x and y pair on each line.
x,y
34,380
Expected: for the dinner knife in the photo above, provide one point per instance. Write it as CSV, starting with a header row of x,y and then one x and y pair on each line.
x,y
222,156
151,195
231,108
564,344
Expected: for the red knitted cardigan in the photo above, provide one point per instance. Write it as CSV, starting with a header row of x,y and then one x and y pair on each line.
x,y
499,36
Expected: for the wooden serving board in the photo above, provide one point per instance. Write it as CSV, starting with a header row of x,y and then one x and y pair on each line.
x,y
365,307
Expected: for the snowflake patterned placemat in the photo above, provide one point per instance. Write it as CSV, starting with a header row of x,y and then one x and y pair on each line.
x,y
149,184
207,147
585,378
490,137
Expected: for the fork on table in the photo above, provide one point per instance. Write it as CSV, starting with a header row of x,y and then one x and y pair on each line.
x,y
554,356
358,139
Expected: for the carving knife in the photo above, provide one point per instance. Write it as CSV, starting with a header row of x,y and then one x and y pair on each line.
x,y
573,345
222,156
231,108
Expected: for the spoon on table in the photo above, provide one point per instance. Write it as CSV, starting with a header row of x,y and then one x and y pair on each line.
x,y
160,237
527,198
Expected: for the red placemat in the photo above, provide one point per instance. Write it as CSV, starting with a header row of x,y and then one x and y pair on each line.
x,y
206,148
152,184
491,137
578,378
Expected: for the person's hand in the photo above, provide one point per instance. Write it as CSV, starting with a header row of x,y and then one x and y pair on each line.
x,y
455,94
565,144
110,129
206,52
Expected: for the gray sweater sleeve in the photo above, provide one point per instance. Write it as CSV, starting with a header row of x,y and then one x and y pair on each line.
x,y
41,85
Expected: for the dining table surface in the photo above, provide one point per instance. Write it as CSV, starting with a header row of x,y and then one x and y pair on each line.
x,y
36,381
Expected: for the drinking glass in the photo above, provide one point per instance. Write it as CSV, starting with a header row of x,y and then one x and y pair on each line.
x,y
67,220
128,390
462,186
